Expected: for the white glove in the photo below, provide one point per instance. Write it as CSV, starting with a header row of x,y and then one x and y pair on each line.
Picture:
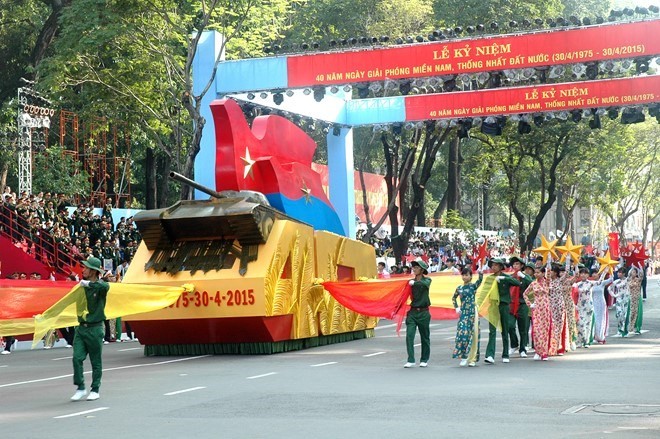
x,y
480,268
499,278
411,282
84,283
520,274
458,310
531,305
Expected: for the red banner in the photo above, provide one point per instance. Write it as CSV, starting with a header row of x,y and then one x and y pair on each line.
x,y
540,98
614,245
560,46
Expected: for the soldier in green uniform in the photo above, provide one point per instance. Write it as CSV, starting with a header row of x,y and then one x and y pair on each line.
x,y
519,310
419,315
89,335
504,283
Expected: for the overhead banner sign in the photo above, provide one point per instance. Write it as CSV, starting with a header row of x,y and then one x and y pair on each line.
x,y
535,99
560,46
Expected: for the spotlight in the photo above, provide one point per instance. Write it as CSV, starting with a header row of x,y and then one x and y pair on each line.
x,y
607,66
494,25
578,70
430,37
526,22
384,39
592,71
344,41
493,128
399,40
586,21
307,91
289,93
538,22
458,30
336,130
551,22
594,123
364,40
574,20
410,40
561,21
470,29
375,87
278,98
333,43
528,72
347,88
654,9
464,128
612,113
334,89
316,45
641,10
600,20
319,93
250,96
524,127
641,65
538,120
630,116
513,24
263,95
353,41
483,77
404,87
374,40
419,39
576,116
276,48
449,85
363,91
480,27
562,115
629,12
304,46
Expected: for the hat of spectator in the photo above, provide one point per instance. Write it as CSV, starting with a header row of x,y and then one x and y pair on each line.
x,y
421,264
530,265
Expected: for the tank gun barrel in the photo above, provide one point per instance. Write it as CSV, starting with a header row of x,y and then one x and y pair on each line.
x,y
183,179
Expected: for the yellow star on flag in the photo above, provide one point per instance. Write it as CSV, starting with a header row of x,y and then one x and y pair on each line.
x,y
607,263
307,193
248,164
546,249
570,249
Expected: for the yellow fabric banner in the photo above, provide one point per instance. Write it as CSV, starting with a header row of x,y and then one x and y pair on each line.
x,y
123,300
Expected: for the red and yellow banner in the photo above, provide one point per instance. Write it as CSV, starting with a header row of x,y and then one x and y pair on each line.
x,y
560,46
540,98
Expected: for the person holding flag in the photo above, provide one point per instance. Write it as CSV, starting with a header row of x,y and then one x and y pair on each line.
x,y
504,283
519,309
89,335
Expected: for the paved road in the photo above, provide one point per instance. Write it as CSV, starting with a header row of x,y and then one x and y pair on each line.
x,y
351,390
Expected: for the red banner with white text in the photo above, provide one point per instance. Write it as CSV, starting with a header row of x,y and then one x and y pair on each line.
x,y
539,98
534,49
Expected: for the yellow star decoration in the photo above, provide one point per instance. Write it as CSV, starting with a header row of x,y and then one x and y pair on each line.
x,y
570,249
248,164
307,193
607,263
546,249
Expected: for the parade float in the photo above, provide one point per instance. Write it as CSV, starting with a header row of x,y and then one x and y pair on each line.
x,y
255,251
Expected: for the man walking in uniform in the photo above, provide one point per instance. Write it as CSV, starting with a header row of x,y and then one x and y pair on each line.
x,y
419,315
504,282
89,335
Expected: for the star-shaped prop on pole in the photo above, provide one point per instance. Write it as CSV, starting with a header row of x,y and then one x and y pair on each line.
x,y
547,249
570,249
607,263
635,255
307,193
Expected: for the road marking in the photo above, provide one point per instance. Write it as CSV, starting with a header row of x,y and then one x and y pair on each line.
x,y
385,326
261,376
418,344
374,354
633,428
129,349
323,364
576,408
81,413
104,370
61,358
450,338
183,391
4,365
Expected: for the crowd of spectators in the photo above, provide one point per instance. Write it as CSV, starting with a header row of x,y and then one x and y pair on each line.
x,y
47,227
